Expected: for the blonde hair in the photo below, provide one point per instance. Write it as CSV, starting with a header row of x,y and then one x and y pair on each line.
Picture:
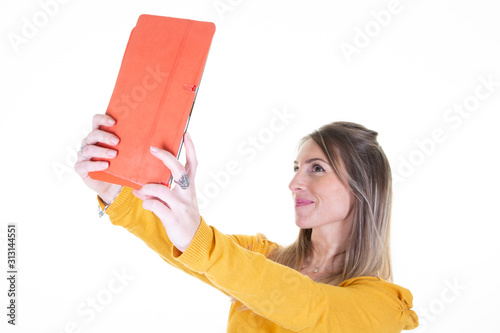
x,y
353,148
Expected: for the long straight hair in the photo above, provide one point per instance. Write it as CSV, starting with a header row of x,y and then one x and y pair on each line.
x,y
353,148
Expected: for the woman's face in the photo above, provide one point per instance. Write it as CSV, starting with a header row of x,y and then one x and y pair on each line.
x,y
319,196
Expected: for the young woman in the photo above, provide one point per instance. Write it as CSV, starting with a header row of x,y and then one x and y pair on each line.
x,y
336,277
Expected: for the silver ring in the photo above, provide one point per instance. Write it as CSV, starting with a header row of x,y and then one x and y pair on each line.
x,y
183,181
81,152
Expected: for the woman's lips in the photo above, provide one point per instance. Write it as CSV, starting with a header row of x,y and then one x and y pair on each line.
x,y
301,203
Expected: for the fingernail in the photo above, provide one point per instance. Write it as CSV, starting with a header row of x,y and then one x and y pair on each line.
x,y
188,135
115,141
111,152
111,121
104,164
154,149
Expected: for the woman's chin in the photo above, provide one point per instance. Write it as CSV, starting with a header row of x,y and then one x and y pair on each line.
x,y
302,223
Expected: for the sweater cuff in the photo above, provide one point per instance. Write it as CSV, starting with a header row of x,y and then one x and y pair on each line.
x,y
197,255
123,202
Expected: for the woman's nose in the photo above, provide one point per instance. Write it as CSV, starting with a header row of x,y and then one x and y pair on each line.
x,y
297,182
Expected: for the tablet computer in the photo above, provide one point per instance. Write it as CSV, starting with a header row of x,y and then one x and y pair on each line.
x,y
153,97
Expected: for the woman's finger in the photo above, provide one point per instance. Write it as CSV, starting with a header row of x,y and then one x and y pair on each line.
x,y
141,196
159,208
89,148
156,198
102,120
101,136
83,167
170,162
158,191
90,151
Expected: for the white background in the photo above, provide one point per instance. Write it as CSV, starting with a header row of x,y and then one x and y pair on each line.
x,y
266,56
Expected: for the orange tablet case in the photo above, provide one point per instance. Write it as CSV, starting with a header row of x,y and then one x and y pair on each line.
x,y
154,95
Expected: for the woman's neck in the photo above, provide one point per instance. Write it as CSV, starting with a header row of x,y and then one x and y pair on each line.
x,y
328,242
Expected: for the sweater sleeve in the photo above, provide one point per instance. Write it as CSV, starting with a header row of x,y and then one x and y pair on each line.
x,y
127,211
294,301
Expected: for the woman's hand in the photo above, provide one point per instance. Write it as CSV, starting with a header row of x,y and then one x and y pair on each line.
x,y
108,192
177,208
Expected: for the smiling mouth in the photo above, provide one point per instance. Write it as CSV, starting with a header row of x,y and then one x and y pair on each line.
x,y
302,203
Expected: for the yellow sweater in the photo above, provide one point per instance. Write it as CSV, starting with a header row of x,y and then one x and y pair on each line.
x,y
276,298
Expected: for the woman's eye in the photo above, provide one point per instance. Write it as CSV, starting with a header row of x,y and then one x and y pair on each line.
x,y
318,168
315,168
